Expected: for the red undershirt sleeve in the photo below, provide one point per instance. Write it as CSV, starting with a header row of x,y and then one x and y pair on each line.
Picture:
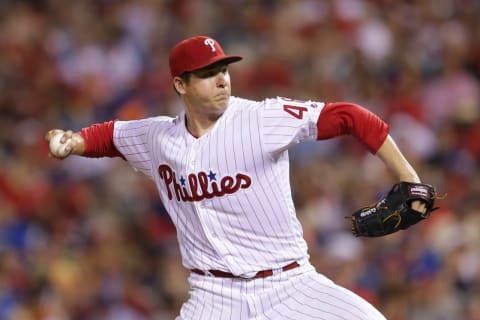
x,y
99,140
343,118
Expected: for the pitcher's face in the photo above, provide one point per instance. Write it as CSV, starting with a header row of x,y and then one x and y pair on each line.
x,y
208,90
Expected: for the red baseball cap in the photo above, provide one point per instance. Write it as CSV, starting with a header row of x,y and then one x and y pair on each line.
x,y
196,53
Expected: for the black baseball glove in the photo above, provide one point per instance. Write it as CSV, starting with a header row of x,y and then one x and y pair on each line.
x,y
394,212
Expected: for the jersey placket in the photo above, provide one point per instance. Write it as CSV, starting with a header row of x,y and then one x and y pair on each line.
x,y
199,206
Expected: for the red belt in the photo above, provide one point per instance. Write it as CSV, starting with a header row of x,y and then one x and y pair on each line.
x,y
259,274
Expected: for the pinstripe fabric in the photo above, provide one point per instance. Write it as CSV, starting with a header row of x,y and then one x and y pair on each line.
x,y
297,294
228,194
244,221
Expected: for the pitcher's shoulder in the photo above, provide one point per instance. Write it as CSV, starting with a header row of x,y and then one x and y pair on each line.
x,y
269,102
243,104
146,124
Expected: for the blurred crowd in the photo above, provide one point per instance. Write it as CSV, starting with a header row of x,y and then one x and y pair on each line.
x,y
88,239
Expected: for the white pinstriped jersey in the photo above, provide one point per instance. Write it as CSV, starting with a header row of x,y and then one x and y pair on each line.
x,y
227,192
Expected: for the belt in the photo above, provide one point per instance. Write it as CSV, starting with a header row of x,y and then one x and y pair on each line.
x,y
259,274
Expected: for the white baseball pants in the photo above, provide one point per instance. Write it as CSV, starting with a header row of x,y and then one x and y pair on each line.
x,y
297,294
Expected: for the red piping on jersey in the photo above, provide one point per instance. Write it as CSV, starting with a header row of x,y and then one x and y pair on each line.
x,y
343,118
99,140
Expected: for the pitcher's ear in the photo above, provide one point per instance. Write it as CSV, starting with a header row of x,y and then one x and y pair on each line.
x,y
179,85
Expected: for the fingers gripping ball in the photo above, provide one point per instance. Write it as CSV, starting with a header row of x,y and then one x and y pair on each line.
x,y
59,149
394,212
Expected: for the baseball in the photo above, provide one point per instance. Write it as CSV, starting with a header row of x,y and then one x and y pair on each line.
x,y
57,148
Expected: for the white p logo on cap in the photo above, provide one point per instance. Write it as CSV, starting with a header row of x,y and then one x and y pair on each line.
x,y
196,53
211,43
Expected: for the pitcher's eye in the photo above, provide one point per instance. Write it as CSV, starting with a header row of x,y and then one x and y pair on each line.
x,y
204,73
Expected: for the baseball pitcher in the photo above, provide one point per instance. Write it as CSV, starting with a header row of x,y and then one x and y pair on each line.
x,y
222,172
